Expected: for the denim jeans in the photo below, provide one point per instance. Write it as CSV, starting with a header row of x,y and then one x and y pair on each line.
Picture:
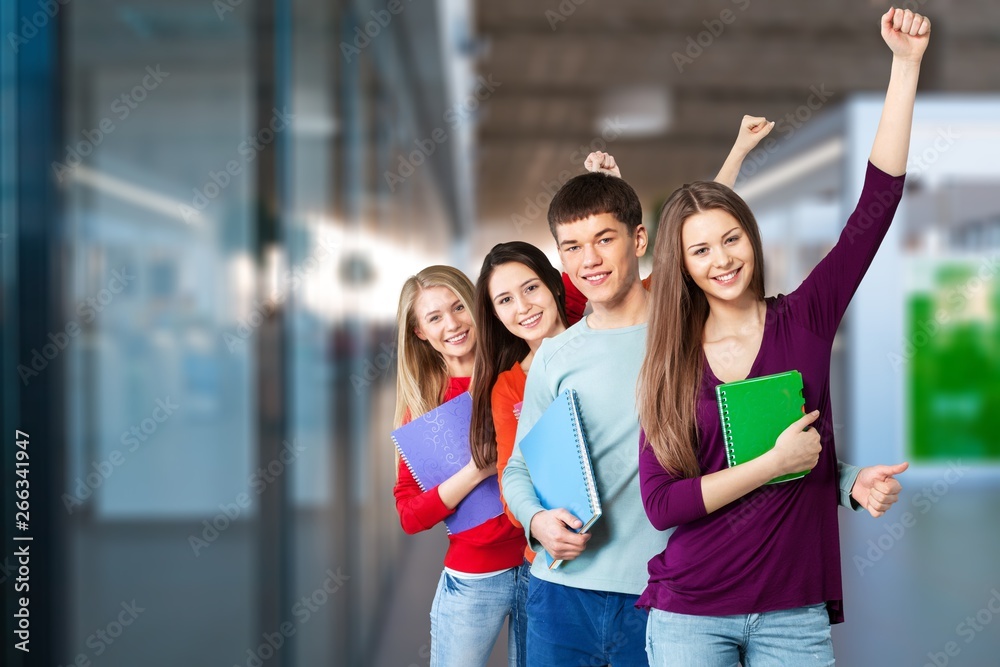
x,y
799,637
468,614
577,627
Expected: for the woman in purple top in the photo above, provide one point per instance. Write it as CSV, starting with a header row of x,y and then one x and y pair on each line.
x,y
752,572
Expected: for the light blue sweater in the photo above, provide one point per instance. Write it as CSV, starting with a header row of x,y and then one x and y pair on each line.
x,y
602,365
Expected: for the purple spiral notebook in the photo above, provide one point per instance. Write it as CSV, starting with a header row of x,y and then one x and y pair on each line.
x,y
435,446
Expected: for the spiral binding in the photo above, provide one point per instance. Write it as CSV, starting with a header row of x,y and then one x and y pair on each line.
x,y
407,462
583,453
727,431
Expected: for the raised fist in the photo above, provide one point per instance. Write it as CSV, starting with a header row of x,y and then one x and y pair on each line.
x,y
752,130
906,33
602,162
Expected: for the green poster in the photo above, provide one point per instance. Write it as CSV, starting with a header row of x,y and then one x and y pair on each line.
x,y
952,359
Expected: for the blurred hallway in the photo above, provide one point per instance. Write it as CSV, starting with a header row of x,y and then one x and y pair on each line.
x,y
209,207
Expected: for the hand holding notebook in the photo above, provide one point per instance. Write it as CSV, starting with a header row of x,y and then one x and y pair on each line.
x,y
555,452
435,446
797,449
755,412
558,531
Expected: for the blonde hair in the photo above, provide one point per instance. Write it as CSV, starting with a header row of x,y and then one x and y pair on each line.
x,y
421,374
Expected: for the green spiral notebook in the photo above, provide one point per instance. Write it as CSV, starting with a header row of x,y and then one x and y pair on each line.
x,y
755,411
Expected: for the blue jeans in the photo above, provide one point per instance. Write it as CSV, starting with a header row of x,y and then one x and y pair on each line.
x,y
468,614
574,627
799,637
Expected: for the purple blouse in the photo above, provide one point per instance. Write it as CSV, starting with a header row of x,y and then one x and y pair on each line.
x,y
778,547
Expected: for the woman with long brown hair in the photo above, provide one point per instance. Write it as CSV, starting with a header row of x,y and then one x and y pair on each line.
x,y
765,588
521,300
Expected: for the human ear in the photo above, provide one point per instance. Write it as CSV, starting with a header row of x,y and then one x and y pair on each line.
x,y
641,241
419,333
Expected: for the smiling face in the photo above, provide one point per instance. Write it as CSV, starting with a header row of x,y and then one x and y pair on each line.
x,y
444,322
523,303
718,255
601,258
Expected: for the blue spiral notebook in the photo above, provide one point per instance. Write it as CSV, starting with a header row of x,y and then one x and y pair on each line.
x,y
435,446
558,460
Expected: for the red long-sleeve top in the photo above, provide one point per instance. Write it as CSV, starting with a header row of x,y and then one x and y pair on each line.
x,y
494,545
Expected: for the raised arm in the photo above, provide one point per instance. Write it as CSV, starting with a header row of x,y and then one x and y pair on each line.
x,y
820,302
752,130
906,34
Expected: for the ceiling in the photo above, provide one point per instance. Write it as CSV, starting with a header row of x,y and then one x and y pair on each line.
x,y
560,65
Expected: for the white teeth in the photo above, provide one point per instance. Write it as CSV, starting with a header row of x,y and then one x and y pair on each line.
x,y
728,276
457,339
599,276
531,320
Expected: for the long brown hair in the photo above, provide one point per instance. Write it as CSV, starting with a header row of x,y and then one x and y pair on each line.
x,y
671,374
497,349
421,373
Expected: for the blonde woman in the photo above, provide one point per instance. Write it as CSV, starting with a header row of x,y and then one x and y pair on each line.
x,y
478,588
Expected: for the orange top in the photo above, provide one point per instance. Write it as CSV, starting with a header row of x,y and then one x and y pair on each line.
x,y
507,392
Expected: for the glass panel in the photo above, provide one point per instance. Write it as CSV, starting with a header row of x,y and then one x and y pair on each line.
x,y
159,178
